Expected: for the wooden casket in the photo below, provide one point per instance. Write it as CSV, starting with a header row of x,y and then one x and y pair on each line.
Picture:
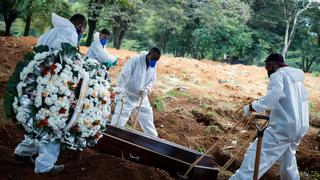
x,y
173,158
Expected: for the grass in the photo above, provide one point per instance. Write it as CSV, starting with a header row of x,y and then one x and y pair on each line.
x,y
200,149
159,104
175,93
315,74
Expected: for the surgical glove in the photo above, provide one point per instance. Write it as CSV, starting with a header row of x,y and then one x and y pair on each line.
x,y
246,110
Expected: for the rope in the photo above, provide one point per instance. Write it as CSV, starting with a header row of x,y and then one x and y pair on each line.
x,y
120,111
204,154
231,160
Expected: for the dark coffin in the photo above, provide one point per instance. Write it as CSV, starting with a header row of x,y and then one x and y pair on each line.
x,y
173,158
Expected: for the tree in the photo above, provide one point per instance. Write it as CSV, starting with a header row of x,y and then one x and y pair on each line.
x,y
292,10
10,13
95,7
121,14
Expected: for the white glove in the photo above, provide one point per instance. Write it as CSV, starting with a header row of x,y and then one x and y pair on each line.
x,y
246,110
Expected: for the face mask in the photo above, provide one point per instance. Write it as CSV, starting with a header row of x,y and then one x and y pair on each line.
x,y
104,41
79,34
152,63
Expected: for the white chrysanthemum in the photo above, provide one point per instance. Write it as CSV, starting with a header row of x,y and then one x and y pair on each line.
x,y
40,56
19,88
38,101
48,101
22,116
15,105
41,114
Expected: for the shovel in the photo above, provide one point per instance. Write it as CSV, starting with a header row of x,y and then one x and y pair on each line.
x,y
138,111
261,128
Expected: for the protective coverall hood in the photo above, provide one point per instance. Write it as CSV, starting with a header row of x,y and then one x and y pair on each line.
x,y
63,31
58,21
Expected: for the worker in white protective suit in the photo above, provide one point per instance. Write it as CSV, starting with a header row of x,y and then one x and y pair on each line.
x,y
135,82
287,99
64,31
97,49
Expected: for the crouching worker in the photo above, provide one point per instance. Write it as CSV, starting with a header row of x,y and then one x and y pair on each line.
x,y
97,49
287,99
64,31
135,82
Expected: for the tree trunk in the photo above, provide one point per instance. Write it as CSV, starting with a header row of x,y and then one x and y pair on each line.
x,y
27,26
119,31
8,27
291,17
92,26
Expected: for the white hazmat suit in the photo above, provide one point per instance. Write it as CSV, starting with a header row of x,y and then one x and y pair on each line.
x,y
135,77
98,52
287,99
63,32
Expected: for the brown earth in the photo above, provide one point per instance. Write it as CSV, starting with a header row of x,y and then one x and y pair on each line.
x,y
200,101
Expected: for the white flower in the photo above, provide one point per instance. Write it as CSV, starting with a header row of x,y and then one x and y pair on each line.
x,y
15,105
41,114
19,88
38,101
40,56
58,68
22,116
48,101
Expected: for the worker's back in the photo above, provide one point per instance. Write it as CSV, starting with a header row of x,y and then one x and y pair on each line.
x,y
290,117
63,31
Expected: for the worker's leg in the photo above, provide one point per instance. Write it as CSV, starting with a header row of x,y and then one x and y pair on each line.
x,y
146,119
271,151
288,164
48,155
26,147
121,116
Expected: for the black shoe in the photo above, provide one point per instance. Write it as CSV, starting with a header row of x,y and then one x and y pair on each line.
x,y
56,169
26,159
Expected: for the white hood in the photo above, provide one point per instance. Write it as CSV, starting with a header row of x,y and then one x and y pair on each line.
x,y
58,21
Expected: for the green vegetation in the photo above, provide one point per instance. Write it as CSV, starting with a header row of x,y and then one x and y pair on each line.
x,y
243,31
175,93
159,104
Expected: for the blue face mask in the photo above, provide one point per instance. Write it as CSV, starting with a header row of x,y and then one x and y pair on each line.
x,y
152,63
79,34
104,41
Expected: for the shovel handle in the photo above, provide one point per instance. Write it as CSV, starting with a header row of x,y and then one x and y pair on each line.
x,y
265,125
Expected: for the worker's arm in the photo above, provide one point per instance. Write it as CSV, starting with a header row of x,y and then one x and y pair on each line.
x,y
104,57
274,94
148,86
126,74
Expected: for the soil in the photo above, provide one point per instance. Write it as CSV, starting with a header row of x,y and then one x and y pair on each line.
x,y
202,102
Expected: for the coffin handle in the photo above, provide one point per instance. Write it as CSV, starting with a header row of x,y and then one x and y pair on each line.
x,y
133,157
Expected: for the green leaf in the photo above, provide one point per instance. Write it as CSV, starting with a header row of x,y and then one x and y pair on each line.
x,y
11,89
68,50
41,49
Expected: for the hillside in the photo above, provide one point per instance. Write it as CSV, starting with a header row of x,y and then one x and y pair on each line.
x,y
195,105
